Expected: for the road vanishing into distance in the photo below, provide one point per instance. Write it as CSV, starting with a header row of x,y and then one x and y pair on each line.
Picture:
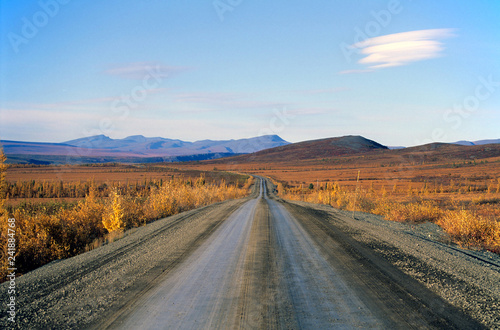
x,y
269,275
263,269
264,263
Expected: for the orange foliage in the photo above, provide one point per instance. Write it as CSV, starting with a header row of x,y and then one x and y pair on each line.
x,y
477,226
469,229
44,234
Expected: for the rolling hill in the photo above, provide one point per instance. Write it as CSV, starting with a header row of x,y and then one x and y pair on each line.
x,y
315,149
349,149
477,143
449,152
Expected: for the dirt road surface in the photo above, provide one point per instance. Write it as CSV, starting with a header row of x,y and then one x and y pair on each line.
x,y
260,263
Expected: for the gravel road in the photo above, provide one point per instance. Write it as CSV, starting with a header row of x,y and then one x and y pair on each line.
x,y
261,262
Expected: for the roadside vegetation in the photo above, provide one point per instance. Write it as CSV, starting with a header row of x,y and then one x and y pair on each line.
x,y
470,215
100,213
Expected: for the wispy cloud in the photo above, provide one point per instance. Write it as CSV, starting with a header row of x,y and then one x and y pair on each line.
x,y
401,48
140,70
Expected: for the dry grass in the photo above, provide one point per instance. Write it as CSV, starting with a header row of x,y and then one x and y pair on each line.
x,y
471,222
46,232
458,192
470,229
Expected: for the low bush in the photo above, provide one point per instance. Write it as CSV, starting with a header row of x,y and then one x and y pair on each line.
x,y
471,223
44,234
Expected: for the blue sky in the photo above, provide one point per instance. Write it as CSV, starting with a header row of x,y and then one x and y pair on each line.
x,y
399,72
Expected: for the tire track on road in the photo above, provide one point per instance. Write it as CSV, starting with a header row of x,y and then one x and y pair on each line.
x,y
256,263
203,291
88,290
399,298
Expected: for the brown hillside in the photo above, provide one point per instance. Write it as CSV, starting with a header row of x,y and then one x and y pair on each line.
x,y
316,149
451,152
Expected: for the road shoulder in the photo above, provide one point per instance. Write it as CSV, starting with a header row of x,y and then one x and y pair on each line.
x,y
91,289
455,285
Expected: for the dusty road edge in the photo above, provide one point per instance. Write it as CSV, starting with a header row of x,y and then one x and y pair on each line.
x,y
92,289
465,284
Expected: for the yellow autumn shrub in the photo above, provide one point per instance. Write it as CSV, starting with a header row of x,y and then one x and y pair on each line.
x,y
45,233
477,226
113,217
470,229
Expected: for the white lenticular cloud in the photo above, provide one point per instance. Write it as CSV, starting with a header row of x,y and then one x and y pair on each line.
x,y
402,48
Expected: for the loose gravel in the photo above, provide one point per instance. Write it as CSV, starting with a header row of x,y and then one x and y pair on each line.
x,y
91,290
466,279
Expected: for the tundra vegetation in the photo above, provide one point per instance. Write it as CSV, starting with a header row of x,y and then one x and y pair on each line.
x,y
456,187
49,227
469,214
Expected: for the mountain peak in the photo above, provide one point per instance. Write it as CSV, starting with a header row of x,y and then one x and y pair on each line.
x,y
275,138
90,142
356,142
136,138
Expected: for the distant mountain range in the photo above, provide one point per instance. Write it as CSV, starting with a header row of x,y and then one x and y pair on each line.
x,y
462,143
477,143
159,147
137,148
269,148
